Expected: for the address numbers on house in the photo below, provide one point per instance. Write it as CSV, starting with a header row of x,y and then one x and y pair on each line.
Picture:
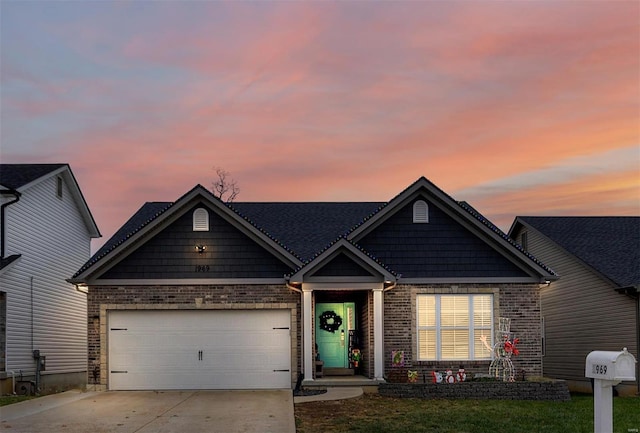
x,y
202,268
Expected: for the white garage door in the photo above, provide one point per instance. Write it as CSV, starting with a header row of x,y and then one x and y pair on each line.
x,y
199,349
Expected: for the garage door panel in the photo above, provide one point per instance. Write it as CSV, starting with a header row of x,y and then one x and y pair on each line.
x,y
184,349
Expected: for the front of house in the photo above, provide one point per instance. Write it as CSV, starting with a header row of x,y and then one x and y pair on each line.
x,y
199,294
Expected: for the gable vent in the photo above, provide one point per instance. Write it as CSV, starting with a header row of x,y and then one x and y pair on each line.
x,y
420,212
200,220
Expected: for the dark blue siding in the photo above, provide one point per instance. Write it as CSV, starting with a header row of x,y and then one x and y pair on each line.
x,y
441,248
171,254
342,266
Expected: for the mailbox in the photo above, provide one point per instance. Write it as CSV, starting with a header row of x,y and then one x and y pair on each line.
x,y
613,366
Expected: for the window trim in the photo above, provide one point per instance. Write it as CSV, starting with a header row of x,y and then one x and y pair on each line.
x,y
201,220
420,212
438,328
59,187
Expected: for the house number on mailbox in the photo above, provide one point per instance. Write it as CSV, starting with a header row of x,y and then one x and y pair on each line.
x,y
202,268
599,369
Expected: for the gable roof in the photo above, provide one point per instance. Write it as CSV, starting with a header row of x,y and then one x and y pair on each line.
x,y
19,177
304,231
16,176
153,215
609,245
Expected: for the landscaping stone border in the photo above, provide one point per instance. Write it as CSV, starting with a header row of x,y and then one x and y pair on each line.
x,y
555,390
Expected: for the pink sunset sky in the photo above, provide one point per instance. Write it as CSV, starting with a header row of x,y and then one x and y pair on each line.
x,y
519,108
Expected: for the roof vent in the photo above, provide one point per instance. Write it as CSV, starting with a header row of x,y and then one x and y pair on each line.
x,y
420,212
200,220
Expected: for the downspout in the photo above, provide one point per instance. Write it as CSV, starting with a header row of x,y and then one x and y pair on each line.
x,y
17,195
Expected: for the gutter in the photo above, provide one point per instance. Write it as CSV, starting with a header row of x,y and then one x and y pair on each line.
x,y
17,195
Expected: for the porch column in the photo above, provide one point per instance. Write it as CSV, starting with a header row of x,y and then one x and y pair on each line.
x,y
378,335
307,336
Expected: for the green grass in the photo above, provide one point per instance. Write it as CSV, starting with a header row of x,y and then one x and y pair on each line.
x,y
10,399
375,414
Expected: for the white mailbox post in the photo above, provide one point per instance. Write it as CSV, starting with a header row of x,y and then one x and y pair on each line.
x,y
607,369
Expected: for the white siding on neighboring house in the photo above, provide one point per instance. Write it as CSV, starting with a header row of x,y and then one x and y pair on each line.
x,y
44,311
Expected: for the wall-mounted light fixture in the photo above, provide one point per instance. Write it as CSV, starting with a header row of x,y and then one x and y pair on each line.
x,y
200,248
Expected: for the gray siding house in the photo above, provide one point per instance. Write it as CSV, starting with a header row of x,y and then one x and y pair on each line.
x,y
201,294
594,305
46,235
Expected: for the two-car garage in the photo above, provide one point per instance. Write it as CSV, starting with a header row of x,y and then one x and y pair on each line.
x,y
199,349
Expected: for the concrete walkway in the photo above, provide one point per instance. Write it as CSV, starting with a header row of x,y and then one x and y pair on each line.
x,y
153,412
335,393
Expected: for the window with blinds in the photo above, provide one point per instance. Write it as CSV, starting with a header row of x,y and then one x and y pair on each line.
x,y
452,327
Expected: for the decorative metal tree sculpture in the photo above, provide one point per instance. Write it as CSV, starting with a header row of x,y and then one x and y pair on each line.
x,y
505,346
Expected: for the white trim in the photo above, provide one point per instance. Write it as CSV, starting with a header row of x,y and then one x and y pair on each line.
x,y
484,280
307,336
201,220
378,334
342,286
184,281
420,212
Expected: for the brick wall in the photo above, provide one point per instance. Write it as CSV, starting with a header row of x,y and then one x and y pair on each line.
x,y
519,302
548,390
102,299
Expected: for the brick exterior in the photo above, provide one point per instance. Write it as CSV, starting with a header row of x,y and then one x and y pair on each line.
x,y
239,297
519,302
556,390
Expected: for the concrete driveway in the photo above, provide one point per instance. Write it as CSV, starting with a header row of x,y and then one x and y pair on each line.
x,y
153,412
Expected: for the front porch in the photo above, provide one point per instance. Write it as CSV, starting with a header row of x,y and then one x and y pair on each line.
x,y
327,354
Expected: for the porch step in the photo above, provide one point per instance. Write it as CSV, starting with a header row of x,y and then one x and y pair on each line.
x,y
332,371
341,381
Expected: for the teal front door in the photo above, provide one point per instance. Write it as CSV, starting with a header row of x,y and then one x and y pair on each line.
x,y
333,322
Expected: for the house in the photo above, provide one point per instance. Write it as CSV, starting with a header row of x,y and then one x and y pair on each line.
x,y
594,305
201,294
46,235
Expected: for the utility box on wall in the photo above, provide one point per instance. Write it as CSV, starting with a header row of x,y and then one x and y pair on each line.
x,y
613,366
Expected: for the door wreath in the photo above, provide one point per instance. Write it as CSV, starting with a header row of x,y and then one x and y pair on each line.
x,y
330,321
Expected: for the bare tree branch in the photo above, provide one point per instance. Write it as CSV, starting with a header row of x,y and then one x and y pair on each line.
x,y
225,187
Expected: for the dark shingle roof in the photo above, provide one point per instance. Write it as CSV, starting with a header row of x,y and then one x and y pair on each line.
x,y
610,245
16,175
307,228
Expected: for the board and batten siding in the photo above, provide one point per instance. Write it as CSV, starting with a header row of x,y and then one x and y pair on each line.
x,y
582,312
44,311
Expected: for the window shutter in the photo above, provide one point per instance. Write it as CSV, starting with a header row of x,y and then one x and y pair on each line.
x,y
200,220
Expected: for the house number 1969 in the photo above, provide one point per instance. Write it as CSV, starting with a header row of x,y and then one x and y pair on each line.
x,y
202,268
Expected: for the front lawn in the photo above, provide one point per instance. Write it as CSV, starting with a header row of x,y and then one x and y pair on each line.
x,y
372,413
10,399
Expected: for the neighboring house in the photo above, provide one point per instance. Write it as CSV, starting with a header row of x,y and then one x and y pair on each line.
x,y
199,294
594,305
46,235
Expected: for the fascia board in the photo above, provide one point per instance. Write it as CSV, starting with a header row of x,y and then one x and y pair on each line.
x,y
185,281
472,280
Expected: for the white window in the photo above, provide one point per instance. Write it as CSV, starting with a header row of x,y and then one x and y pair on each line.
x,y
453,327
420,212
200,220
